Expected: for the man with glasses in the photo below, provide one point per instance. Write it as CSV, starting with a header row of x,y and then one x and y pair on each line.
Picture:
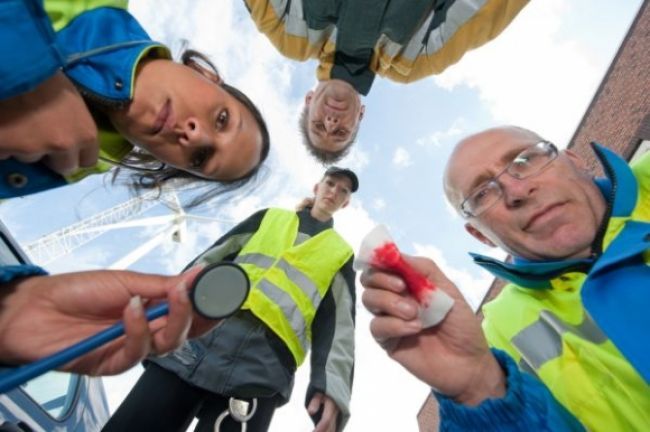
x,y
574,314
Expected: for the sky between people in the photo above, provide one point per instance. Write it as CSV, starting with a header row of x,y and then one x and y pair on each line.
x,y
540,73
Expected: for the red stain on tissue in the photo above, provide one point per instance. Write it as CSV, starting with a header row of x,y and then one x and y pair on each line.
x,y
387,257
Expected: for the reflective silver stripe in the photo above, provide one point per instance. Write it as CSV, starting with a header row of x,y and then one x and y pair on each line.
x,y
295,275
295,25
301,238
260,260
542,340
457,15
526,367
288,306
302,281
414,46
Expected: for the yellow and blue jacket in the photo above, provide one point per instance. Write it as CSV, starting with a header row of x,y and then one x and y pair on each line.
x,y
98,50
578,326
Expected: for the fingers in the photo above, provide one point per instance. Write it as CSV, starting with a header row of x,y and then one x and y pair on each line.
x,y
137,343
381,280
327,421
50,123
154,287
387,330
396,312
178,322
89,154
382,302
314,403
68,161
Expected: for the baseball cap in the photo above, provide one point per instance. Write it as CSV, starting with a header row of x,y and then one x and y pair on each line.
x,y
337,171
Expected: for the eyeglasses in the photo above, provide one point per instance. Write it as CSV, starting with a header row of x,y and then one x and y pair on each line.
x,y
528,163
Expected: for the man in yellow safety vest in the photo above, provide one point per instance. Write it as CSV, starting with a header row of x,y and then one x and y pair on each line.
x,y
574,316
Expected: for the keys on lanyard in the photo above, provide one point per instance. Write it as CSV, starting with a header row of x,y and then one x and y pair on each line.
x,y
238,409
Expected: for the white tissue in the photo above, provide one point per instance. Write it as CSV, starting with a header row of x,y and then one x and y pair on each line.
x,y
437,303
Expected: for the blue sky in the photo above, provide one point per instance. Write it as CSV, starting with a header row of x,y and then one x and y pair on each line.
x,y
540,73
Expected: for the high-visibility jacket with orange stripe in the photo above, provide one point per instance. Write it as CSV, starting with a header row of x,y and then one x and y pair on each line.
x,y
403,40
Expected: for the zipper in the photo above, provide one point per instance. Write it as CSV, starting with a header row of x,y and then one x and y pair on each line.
x,y
597,245
102,101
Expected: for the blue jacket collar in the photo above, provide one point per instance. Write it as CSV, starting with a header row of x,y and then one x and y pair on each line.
x,y
102,48
620,189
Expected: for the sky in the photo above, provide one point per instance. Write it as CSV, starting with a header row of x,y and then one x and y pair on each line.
x,y
540,73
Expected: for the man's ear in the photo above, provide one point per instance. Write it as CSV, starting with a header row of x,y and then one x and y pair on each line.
x,y
308,97
577,161
211,75
362,111
478,235
315,188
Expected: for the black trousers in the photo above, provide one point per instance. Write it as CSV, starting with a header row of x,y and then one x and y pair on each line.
x,y
162,402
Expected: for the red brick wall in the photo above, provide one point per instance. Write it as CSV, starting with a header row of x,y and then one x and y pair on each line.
x,y
619,114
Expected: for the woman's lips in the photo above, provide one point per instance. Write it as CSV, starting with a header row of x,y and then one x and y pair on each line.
x,y
163,117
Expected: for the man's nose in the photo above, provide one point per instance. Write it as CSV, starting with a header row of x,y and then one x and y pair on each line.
x,y
515,191
331,122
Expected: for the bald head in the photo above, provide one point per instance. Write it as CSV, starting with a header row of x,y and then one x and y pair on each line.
x,y
554,213
468,157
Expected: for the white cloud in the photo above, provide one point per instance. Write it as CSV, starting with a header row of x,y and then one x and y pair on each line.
x,y
436,139
379,204
532,75
402,158
357,159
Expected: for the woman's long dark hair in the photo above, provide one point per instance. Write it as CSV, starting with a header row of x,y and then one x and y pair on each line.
x,y
146,172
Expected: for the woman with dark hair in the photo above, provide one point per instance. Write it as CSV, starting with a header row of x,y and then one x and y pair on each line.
x,y
163,119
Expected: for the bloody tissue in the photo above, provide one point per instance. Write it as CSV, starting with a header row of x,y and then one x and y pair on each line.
x,y
388,257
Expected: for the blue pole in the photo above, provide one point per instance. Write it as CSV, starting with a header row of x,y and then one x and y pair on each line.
x,y
22,374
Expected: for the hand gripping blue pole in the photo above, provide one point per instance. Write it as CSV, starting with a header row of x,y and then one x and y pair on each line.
x,y
209,299
20,375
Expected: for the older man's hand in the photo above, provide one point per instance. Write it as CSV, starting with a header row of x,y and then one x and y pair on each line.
x,y
453,356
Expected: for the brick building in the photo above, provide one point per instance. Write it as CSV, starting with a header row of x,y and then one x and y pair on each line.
x,y
618,117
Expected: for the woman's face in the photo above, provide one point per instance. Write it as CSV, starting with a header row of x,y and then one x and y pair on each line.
x,y
186,119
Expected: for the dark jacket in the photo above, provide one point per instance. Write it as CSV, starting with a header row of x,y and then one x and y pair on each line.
x,y
242,357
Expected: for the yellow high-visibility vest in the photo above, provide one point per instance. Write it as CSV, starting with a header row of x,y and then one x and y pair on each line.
x,y
289,277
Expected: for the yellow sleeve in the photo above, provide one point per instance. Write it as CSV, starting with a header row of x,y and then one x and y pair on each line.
x,y
486,24
293,44
61,12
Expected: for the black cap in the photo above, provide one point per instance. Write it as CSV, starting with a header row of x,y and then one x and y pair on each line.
x,y
336,171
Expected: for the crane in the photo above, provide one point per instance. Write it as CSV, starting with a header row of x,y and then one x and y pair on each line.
x,y
59,243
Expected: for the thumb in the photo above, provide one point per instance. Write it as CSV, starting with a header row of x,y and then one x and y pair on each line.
x,y
315,403
190,274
